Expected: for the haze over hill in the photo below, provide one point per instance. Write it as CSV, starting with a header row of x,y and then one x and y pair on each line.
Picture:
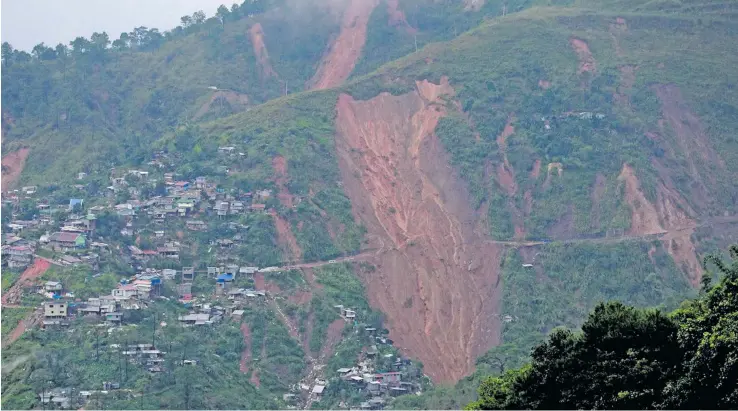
x,y
482,171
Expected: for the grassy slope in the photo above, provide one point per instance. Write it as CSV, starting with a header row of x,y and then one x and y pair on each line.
x,y
115,109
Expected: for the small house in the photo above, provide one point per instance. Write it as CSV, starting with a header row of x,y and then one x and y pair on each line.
x,y
67,240
55,309
53,287
389,377
318,389
195,319
188,274
114,317
196,225
125,291
257,208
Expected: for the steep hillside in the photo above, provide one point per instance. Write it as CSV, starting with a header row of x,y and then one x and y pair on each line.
x,y
104,104
524,164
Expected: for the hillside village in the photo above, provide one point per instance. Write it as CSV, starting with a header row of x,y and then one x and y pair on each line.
x,y
149,225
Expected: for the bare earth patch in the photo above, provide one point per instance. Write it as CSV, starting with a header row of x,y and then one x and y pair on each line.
x,y
284,229
35,270
397,16
670,216
587,62
397,175
256,33
337,65
12,167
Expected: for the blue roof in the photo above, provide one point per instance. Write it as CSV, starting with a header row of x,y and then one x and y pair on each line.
x,y
225,277
74,201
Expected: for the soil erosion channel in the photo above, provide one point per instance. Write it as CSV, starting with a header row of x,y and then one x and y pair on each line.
x,y
436,278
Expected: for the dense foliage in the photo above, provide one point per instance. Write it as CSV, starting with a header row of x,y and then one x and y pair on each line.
x,y
627,358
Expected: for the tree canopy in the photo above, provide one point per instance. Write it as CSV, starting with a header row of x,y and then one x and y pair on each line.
x,y
629,358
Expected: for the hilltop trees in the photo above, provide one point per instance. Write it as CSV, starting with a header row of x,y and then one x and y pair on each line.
x,y
629,358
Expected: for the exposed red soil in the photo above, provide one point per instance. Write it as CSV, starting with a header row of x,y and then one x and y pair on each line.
x,y
237,101
337,65
16,333
301,297
261,284
586,61
397,16
644,219
284,229
505,174
259,281
12,167
279,164
246,353
691,137
30,320
506,179
256,33
333,337
35,270
544,84
669,215
308,334
254,380
286,237
437,278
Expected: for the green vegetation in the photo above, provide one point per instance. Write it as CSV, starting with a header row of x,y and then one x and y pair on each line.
x,y
499,77
11,317
628,358
87,357
565,283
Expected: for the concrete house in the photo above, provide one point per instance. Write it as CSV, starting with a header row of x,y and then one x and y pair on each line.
x,y
55,312
125,291
53,286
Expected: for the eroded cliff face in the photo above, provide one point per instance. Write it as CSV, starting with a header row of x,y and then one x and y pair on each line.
x,y
437,279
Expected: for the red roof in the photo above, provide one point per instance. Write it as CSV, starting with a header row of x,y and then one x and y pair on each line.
x,y
149,252
129,287
258,206
65,237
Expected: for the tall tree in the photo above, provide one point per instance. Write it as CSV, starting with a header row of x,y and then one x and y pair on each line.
x,y
222,14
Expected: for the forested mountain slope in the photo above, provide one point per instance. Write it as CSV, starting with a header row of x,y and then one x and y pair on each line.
x,y
529,160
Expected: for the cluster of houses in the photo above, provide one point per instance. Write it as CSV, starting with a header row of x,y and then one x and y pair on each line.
x,y
17,252
127,295
191,201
